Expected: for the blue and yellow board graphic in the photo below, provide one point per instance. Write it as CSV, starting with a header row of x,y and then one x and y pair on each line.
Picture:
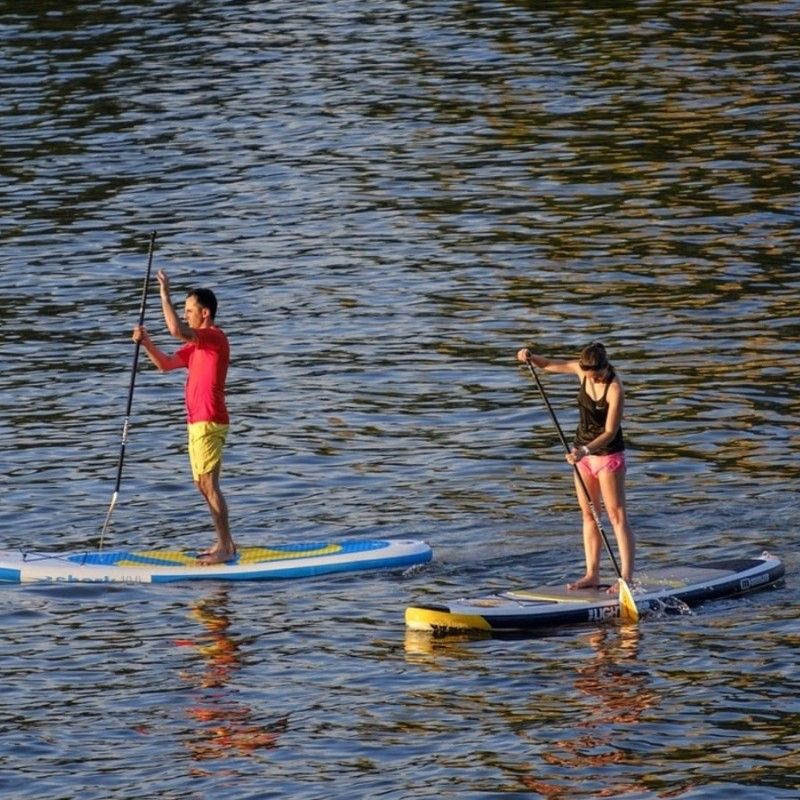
x,y
267,562
245,555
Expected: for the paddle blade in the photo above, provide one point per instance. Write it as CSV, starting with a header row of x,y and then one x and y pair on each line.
x,y
627,605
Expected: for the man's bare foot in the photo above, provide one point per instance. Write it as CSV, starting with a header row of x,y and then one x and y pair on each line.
x,y
586,582
216,555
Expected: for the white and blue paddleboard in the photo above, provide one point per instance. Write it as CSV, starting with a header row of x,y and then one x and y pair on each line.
x,y
270,562
543,607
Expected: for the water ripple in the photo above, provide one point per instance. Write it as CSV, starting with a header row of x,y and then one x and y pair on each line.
x,y
389,201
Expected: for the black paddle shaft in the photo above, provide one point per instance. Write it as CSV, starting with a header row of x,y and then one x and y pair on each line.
x,y
575,467
126,423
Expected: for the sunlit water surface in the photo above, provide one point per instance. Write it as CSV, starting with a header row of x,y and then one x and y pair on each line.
x,y
390,199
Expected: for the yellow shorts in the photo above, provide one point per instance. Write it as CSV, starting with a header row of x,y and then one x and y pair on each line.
x,y
206,441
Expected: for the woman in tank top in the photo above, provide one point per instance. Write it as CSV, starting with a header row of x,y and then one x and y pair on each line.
x,y
598,453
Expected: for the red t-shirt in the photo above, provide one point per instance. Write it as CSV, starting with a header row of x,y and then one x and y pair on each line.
x,y
207,359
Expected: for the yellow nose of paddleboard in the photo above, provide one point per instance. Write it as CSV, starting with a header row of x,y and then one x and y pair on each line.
x,y
428,619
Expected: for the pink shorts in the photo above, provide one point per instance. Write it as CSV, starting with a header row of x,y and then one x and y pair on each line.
x,y
594,465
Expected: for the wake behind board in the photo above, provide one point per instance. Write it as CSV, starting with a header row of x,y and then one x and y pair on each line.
x,y
544,607
269,562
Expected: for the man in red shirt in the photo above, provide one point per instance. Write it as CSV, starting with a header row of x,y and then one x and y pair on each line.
x,y
206,355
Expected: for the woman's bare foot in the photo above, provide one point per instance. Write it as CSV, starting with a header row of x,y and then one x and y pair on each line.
x,y
614,588
586,582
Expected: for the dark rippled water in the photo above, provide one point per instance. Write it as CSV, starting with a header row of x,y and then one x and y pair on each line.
x,y
389,199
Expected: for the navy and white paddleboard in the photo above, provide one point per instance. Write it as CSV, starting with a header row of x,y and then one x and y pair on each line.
x,y
545,607
251,563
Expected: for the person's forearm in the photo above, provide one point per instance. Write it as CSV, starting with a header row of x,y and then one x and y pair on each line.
x,y
170,317
160,359
547,364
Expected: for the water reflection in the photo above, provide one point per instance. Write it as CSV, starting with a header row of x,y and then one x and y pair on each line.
x,y
430,650
570,732
224,725
616,694
616,689
389,199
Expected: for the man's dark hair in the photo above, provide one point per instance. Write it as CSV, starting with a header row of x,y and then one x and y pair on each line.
x,y
205,299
